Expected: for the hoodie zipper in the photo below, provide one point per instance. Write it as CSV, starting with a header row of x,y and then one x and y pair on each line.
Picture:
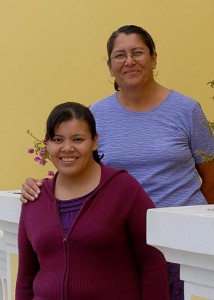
x,y
66,267
49,190
64,240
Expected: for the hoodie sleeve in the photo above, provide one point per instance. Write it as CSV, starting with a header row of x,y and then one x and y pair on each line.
x,y
150,261
28,265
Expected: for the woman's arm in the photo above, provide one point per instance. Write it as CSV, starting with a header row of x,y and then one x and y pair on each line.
x,y
206,172
202,144
28,264
30,189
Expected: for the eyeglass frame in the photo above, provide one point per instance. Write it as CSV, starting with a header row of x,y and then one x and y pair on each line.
x,y
136,58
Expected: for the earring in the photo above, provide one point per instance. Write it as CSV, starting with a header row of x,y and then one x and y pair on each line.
x,y
155,74
111,81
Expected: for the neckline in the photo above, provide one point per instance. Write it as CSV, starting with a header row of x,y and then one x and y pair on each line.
x,y
147,111
75,199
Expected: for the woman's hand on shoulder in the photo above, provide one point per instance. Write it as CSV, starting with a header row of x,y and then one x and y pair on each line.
x,y
30,189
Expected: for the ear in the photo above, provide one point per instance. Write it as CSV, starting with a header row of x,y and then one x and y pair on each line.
x,y
154,59
95,142
109,67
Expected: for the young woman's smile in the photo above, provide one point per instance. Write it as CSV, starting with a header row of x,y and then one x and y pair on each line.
x,y
71,149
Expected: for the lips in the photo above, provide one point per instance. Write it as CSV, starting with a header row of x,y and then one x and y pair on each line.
x,y
69,159
130,72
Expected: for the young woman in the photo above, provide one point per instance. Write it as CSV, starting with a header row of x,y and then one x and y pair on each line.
x,y
85,236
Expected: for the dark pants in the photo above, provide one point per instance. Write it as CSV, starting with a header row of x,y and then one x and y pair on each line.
x,y
176,286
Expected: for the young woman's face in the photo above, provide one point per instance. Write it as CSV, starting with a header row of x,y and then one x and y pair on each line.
x,y
71,149
131,72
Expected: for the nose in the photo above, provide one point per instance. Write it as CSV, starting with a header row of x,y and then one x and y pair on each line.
x,y
129,58
67,146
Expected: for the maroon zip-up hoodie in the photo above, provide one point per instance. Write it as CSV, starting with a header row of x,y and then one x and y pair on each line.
x,y
103,257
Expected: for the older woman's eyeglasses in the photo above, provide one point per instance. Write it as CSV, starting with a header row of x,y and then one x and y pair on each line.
x,y
121,57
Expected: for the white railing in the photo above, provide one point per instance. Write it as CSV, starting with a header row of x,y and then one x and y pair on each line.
x,y
186,236
9,217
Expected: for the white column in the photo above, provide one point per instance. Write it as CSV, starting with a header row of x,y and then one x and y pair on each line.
x,y
185,235
10,207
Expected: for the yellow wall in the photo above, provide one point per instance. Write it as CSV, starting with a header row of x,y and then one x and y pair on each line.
x,y
53,51
14,267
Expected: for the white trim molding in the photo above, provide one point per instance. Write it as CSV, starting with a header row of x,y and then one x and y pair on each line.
x,y
185,236
10,207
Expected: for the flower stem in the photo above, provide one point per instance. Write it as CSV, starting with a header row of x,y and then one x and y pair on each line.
x,y
30,133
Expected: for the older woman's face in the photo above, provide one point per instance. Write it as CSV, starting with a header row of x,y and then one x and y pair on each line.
x,y
137,68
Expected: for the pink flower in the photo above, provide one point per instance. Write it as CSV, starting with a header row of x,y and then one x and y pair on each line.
x,y
42,153
50,173
42,162
30,150
37,158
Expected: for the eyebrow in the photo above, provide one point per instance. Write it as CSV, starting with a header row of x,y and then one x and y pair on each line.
x,y
133,49
73,135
